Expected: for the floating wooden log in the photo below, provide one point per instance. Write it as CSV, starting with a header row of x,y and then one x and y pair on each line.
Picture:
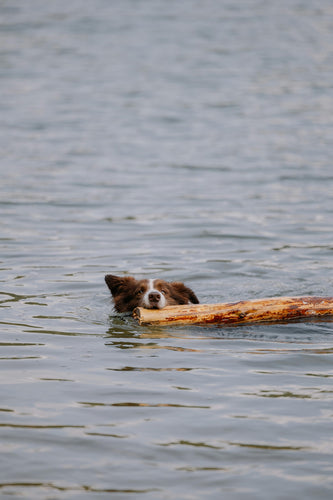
x,y
234,313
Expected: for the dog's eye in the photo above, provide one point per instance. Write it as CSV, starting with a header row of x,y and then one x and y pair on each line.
x,y
164,292
139,292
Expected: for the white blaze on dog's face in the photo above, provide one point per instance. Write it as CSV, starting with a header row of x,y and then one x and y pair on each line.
x,y
129,293
154,298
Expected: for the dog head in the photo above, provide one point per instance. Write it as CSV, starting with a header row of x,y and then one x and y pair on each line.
x,y
129,293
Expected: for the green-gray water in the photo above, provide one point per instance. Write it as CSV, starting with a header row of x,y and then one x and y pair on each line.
x,y
183,140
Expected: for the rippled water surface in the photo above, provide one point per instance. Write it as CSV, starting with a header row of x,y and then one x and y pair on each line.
x,y
183,140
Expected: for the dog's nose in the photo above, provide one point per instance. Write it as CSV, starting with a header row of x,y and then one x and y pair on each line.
x,y
154,297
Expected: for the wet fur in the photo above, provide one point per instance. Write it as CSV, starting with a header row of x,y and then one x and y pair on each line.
x,y
129,293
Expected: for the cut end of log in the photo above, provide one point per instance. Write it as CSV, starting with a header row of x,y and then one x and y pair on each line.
x,y
247,311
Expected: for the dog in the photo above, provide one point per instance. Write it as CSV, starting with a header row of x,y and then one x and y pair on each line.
x,y
129,293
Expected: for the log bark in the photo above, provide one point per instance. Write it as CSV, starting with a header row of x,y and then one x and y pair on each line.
x,y
234,313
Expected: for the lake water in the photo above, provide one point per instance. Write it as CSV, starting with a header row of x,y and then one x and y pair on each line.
x,y
184,140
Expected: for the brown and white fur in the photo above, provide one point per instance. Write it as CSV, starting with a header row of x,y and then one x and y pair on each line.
x,y
129,293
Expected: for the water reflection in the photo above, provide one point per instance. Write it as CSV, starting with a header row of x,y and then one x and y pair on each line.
x,y
36,426
149,369
143,405
190,141
191,443
104,434
12,488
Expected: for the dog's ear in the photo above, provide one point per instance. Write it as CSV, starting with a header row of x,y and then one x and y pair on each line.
x,y
116,284
185,291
